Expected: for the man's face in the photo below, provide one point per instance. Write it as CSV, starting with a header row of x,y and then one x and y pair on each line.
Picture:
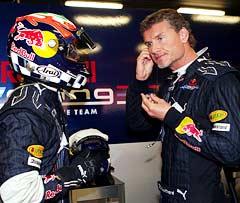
x,y
164,45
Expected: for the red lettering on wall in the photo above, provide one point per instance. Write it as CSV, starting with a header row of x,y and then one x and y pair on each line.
x,y
91,66
6,73
122,87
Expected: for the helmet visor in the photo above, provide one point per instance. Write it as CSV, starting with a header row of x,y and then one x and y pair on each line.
x,y
78,50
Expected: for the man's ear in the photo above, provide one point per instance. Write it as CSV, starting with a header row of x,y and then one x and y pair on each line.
x,y
184,35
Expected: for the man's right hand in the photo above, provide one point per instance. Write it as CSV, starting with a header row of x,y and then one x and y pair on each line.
x,y
144,65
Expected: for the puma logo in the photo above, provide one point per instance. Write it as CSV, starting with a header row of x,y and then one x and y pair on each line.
x,y
182,193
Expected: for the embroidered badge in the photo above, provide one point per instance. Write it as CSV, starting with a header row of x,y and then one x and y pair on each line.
x,y
35,162
192,85
187,126
224,127
217,115
36,150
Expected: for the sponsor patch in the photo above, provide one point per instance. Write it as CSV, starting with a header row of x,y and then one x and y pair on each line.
x,y
35,162
217,115
48,178
187,126
192,85
36,150
224,127
189,87
49,194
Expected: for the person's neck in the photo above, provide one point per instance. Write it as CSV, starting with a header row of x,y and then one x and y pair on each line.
x,y
189,56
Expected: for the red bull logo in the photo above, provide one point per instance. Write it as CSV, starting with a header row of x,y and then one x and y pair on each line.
x,y
48,178
32,37
23,52
191,130
49,194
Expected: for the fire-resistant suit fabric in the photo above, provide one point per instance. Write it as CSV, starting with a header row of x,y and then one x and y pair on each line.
x,y
32,144
200,132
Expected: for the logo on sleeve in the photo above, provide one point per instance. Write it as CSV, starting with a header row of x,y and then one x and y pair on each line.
x,y
217,115
224,127
35,162
187,126
36,150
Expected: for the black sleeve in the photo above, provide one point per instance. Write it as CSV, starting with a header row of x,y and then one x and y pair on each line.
x,y
218,136
137,119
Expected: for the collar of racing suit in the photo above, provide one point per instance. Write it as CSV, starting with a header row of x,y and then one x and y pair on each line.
x,y
182,70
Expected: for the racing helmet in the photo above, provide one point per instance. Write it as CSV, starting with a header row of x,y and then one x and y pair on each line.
x,y
93,144
46,47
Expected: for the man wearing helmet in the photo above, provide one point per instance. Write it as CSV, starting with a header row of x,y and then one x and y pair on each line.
x,y
43,49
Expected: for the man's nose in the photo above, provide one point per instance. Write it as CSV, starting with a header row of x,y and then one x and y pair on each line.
x,y
155,47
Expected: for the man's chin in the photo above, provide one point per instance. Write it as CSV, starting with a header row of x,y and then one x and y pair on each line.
x,y
161,66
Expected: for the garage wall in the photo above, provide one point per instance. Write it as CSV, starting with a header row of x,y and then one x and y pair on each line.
x,y
139,168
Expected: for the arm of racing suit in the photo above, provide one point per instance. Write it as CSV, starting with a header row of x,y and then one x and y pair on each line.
x,y
22,171
137,119
30,187
218,136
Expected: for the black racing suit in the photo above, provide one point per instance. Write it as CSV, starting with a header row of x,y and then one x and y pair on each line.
x,y
31,128
201,129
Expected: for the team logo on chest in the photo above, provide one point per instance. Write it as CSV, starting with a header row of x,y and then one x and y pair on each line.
x,y
192,85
